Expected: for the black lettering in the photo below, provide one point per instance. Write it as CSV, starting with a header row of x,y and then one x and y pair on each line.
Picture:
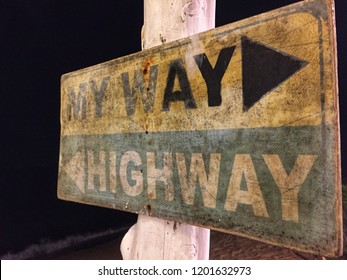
x,y
99,95
185,94
77,103
213,76
147,93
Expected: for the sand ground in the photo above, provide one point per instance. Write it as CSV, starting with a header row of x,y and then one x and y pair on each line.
x,y
222,247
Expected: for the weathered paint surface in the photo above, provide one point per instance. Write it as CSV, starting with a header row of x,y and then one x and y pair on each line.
x,y
235,129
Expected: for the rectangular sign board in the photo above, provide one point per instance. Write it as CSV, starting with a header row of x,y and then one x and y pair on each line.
x,y
235,129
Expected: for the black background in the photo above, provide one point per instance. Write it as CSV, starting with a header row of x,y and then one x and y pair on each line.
x,y
39,41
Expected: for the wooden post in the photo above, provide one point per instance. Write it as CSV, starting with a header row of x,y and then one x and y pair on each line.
x,y
153,238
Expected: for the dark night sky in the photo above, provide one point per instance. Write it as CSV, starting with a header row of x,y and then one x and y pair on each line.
x,y
41,40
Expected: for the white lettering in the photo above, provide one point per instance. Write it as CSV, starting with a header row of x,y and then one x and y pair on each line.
x,y
97,171
164,175
290,185
243,166
113,167
137,176
197,173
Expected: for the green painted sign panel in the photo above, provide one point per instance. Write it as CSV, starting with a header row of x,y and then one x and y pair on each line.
x,y
235,129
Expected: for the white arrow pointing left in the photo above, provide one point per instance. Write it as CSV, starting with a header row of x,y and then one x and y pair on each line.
x,y
75,168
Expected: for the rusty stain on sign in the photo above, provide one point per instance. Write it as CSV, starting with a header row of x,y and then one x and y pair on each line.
x,y
235,129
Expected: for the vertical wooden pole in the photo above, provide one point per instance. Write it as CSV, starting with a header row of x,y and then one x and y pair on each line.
x,y
169,20
153,238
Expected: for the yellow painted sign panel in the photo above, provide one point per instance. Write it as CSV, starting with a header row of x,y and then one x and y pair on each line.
x,y
234,129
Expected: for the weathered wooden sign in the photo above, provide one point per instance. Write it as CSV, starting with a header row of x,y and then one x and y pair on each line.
x,y
234,129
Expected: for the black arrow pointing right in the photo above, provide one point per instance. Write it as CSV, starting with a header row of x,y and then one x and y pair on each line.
x,y
264,69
